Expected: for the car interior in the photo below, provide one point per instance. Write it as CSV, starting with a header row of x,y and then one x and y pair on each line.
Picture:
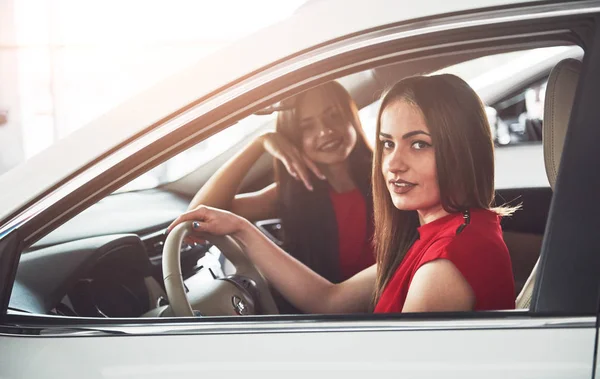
x,y
107,262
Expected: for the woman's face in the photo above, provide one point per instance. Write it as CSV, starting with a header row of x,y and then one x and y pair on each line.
x,y
327,137
408,159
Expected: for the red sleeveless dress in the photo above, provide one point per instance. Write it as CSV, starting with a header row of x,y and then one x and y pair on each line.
x,y
355,232
479,253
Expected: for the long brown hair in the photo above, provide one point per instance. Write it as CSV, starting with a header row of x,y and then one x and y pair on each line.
x,y
308,218
464,156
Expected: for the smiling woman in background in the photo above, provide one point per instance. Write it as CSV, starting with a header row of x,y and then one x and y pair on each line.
x,y
322,183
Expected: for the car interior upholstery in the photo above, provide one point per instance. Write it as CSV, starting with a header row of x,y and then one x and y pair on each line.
x,y
560,95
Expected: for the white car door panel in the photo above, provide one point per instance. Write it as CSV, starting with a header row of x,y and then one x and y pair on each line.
x,y
478,348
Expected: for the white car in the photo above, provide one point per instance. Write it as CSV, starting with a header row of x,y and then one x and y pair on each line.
x,y
82,253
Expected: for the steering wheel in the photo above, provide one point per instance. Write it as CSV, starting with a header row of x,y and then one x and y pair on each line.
x,y
245,269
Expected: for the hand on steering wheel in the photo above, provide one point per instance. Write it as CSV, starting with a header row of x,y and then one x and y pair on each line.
x,y
210,220
215,225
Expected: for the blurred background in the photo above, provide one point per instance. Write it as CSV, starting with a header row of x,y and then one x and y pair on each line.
x,y
65,62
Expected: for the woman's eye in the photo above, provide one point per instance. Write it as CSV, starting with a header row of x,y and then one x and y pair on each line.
x,y
418,145
387,144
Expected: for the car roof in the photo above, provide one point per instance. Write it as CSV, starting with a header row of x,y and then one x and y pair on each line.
x,y
70,155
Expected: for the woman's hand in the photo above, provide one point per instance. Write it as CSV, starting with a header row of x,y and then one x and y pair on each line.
x,y
211,220
295,161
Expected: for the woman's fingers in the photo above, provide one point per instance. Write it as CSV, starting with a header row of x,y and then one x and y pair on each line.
x,y
304,169
303,174
295,163
313,167
296,168
211,220
278,151
195,214
287,163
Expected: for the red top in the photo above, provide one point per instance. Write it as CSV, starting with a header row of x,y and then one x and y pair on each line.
x,y
354,234
479,253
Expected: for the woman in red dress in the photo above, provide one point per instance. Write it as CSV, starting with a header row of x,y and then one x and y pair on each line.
x,y
438,241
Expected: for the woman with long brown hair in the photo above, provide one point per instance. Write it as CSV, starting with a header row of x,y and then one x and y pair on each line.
x,y
438,241
322,182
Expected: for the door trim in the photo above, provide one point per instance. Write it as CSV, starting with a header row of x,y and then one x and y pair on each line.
x,y
253,326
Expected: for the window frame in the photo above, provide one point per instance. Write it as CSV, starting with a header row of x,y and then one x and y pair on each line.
x,y
566,250
280,87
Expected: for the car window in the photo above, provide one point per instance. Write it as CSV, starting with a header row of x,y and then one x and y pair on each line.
x,y
515,113
508,127
517,123
508,119
128,214
189,160
519,118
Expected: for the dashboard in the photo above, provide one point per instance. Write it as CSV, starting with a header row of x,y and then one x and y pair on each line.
x,y
107,261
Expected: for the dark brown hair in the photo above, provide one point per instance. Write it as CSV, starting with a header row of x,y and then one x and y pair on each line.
x,y
464,156
308,218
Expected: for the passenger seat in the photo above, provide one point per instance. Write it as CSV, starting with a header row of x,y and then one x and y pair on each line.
x,y
560,94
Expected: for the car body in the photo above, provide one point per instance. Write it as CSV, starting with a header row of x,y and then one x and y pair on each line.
x,y
69,183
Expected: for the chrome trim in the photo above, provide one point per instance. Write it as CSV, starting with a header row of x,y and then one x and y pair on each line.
x,y
320,54
149,236
247,287
300,326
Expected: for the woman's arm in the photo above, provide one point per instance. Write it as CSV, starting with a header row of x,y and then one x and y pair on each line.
x,y
438,286
301,286
221,189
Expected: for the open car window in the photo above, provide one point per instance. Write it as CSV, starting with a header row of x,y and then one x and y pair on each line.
x,y
515,110
149,209
515,116
191,159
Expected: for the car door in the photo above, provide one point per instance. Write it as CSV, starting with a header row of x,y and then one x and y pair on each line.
x,y
555,339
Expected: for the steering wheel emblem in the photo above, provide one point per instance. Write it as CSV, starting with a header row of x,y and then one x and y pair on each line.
x,y
239,305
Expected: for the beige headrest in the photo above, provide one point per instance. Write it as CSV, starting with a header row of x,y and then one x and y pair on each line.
x,y
560,93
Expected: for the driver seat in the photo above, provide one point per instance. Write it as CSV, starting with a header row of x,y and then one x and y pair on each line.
x,y
560,93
